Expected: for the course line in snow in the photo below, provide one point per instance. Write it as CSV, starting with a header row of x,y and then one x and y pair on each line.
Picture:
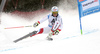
x,y
89,32
95,30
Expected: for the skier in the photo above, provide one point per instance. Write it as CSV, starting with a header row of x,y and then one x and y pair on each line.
x,y
54,26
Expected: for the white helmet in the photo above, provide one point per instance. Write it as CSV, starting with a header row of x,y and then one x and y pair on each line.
x,y
54,9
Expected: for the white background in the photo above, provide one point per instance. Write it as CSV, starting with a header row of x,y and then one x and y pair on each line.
x,y
69,41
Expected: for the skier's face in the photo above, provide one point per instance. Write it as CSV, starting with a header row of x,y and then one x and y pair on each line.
x,y
54,14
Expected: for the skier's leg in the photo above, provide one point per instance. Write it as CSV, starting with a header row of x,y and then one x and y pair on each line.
x,y
55,29
52,33
37,32
44,30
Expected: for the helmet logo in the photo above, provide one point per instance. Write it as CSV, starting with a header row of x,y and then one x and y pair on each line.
x,y
54,9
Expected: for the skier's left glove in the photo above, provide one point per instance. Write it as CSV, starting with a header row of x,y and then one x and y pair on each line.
x,y
35,24
56,32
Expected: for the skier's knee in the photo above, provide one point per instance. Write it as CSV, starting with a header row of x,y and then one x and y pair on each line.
x,y
40,31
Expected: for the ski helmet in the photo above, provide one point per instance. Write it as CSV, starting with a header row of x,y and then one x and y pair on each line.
x,y
54,10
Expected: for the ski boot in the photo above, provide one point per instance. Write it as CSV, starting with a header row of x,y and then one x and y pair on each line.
x,y
49,37
33,33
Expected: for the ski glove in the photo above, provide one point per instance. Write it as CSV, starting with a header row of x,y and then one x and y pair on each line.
x,y
56,32
35,24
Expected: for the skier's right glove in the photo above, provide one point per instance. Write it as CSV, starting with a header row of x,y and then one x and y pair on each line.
x,y
35,24
56,32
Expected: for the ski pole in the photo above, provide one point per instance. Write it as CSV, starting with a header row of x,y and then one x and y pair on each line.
x,y
18,27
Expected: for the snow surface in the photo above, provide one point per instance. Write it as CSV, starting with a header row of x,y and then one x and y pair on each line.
x,y
69,41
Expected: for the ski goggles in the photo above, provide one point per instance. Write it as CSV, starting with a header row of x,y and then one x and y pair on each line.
x,y
54,12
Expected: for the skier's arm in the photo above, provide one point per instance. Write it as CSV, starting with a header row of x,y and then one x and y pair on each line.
x,y
40,21
57,27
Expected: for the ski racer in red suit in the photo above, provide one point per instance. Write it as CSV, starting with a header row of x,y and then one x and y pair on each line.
x,y
55,24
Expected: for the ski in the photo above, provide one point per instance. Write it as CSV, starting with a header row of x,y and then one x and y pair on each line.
x,y
26,36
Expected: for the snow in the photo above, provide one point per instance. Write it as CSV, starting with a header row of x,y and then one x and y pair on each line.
x,y
69,41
